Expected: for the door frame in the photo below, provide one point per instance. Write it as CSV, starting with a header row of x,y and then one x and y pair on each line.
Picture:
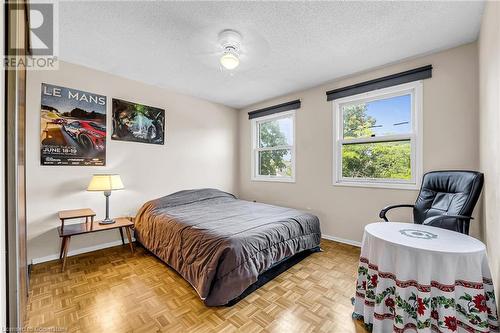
x,y
16,33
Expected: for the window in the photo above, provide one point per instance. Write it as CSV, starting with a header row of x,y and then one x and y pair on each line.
x,y
273,155
378,140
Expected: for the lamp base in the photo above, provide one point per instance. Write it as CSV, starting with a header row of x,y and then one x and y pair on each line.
x,y
107,221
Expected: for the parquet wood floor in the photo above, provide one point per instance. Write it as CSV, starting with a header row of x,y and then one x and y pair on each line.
x,y
112,290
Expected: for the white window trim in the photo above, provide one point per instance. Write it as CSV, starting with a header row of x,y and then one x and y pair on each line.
x,y
416,138
256,149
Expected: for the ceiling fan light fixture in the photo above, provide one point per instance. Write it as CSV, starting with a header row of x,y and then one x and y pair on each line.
x,y
230,41
230,60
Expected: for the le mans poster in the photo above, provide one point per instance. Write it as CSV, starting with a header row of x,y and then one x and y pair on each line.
x,y
73,127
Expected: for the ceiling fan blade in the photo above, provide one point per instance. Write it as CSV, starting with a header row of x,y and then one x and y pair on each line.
x,y
208,53
205,47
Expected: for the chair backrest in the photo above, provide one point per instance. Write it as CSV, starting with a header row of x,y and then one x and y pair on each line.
x,y
448,193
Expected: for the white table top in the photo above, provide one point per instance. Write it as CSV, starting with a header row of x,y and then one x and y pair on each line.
x,y
424,237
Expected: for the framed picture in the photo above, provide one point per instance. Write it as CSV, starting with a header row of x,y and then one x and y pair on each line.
x,y
138,123
73,127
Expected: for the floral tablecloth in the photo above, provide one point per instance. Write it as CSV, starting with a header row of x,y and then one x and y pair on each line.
x,y
420,278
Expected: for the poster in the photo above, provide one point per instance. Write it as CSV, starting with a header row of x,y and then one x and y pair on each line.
x,y
138,123
73,127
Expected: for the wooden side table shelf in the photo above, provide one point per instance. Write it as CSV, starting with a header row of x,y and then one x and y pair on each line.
x,y
89,226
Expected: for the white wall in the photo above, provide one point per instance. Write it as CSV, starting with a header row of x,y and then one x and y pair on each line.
x,y
200,151
450,141
489,134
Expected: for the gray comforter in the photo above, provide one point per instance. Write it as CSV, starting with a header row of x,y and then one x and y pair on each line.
x,y
220,244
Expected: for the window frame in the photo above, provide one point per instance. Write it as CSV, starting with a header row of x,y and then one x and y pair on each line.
x,y
415,89
256,149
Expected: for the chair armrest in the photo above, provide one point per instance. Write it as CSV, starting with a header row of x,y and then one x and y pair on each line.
x,y
434,219
384,211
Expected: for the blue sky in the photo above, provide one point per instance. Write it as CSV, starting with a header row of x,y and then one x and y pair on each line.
x,y
391,111
387,112
286,128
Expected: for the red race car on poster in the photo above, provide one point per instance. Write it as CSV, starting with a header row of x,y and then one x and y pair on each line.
x,y
88,134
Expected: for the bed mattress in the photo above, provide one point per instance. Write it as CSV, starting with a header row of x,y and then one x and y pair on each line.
x,y
221,244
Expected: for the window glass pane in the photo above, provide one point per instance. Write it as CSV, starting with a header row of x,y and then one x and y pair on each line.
x,y
275,133
275,163
388,116
389,160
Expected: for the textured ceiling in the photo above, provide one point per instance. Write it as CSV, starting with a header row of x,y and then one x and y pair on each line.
x,y
288,46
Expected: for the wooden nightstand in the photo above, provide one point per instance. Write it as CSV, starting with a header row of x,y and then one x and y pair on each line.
x,y
89,226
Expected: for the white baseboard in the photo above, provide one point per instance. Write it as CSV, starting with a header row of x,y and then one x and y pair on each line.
x,y
341,240
51,257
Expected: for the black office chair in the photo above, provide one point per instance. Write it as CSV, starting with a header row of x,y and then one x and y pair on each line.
x,y
446,200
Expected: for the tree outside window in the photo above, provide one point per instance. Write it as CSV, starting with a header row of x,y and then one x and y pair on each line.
x,y
376,142
387,160
274,147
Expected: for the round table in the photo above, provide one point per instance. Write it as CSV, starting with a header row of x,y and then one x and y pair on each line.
x,y
413,277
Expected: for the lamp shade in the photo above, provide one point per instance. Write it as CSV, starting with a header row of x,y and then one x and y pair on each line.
x,y
107,182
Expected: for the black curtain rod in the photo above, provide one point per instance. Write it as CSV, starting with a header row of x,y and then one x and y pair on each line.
x,y
416,74
293,105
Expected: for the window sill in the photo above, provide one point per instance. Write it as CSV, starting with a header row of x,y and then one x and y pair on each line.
x,y
392,186
273,179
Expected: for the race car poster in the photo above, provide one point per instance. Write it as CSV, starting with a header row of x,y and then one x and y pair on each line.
x,y
137,122
73,127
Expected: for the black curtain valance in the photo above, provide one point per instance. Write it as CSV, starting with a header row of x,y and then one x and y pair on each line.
x,y
416,74
293,105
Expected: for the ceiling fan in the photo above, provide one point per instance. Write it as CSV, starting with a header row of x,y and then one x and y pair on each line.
x,y
229,50
230,41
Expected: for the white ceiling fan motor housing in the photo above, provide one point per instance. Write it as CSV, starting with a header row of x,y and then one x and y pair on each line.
x,y
230,40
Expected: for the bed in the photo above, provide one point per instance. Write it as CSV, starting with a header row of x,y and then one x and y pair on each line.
x,y
222,245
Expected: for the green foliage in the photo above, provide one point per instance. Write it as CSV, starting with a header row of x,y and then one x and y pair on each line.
x,y
470,311
362,270
377,160
390,160
381,296
274,162
441,301
356,122
141,109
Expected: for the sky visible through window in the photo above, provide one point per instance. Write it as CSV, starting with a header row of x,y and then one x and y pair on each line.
x,y
285,126
393,115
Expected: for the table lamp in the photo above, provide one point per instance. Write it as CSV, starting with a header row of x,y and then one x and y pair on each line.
x,y
106,183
